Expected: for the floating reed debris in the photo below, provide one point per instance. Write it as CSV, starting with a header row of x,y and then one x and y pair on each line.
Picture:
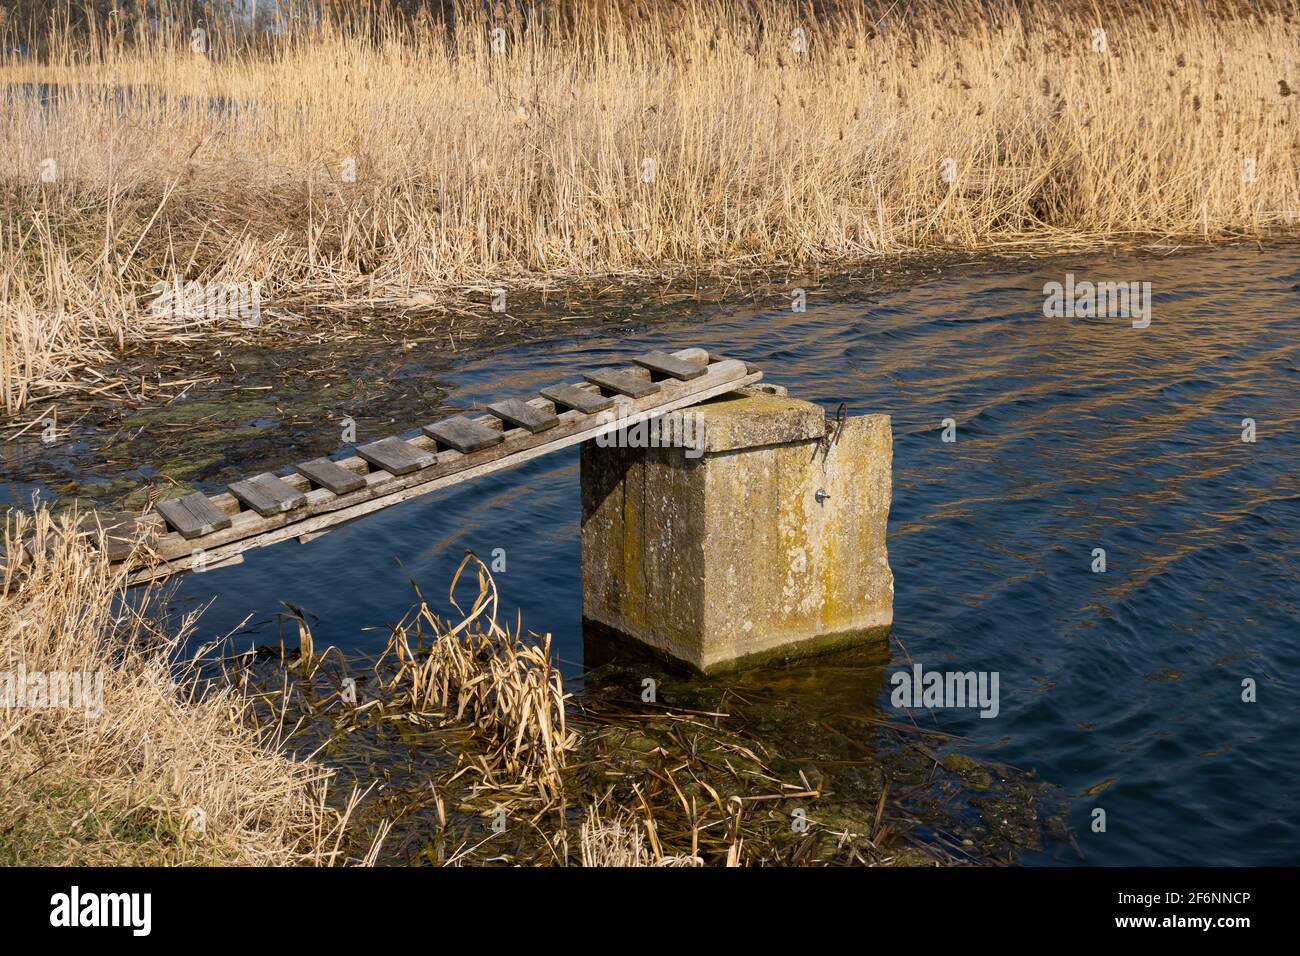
x,y
618,839
613,841
486,759
483,756
465,724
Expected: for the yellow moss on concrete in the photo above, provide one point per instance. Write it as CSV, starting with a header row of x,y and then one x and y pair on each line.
x,y
731,557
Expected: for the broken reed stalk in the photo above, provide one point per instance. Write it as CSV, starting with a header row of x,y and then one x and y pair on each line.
x,y
611,841
613,139
614,838
478,673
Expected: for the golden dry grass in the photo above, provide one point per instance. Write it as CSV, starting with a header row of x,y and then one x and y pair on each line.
x,y
475,167
163,774
120,777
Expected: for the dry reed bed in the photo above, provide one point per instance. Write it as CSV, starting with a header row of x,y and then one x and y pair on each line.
x,y
162,774
475,167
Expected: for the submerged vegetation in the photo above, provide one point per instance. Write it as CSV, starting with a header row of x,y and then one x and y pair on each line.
x,y
415,163
460,745
471,751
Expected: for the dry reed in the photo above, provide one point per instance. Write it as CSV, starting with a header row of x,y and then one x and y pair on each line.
x,y
616,840
483,675
168,771
614,139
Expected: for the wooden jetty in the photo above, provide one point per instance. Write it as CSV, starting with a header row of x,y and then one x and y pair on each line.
x,y
208,531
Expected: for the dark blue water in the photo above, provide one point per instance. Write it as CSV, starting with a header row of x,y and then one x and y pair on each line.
x,y
1124,687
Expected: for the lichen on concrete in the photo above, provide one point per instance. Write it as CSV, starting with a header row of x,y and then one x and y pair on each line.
x,y
733,558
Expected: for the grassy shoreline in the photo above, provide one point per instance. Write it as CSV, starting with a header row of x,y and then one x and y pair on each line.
x,y
134,761
617,142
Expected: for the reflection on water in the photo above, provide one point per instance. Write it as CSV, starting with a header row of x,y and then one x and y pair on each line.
x,y
1122,687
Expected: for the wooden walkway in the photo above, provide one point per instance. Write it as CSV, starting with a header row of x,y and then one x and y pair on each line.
x,y
209,531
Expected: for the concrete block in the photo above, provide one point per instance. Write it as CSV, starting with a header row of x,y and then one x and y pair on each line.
x,y
731,558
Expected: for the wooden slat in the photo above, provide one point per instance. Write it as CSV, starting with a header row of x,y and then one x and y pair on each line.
x,y
523,415
267,494
230,504
395,456
587,401
331,475
661,363
382,489
462,434
623,383
121,532
194,515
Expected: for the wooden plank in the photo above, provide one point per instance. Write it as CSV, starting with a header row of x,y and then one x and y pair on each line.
x,y
396,456
231,506
331,475
267,494
194,515
587,401
465,436
120,532
661,363
325,510
623,383
450,467
419,486
523,415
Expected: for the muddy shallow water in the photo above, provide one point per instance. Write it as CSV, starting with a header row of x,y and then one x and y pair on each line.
x,y
1122,689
